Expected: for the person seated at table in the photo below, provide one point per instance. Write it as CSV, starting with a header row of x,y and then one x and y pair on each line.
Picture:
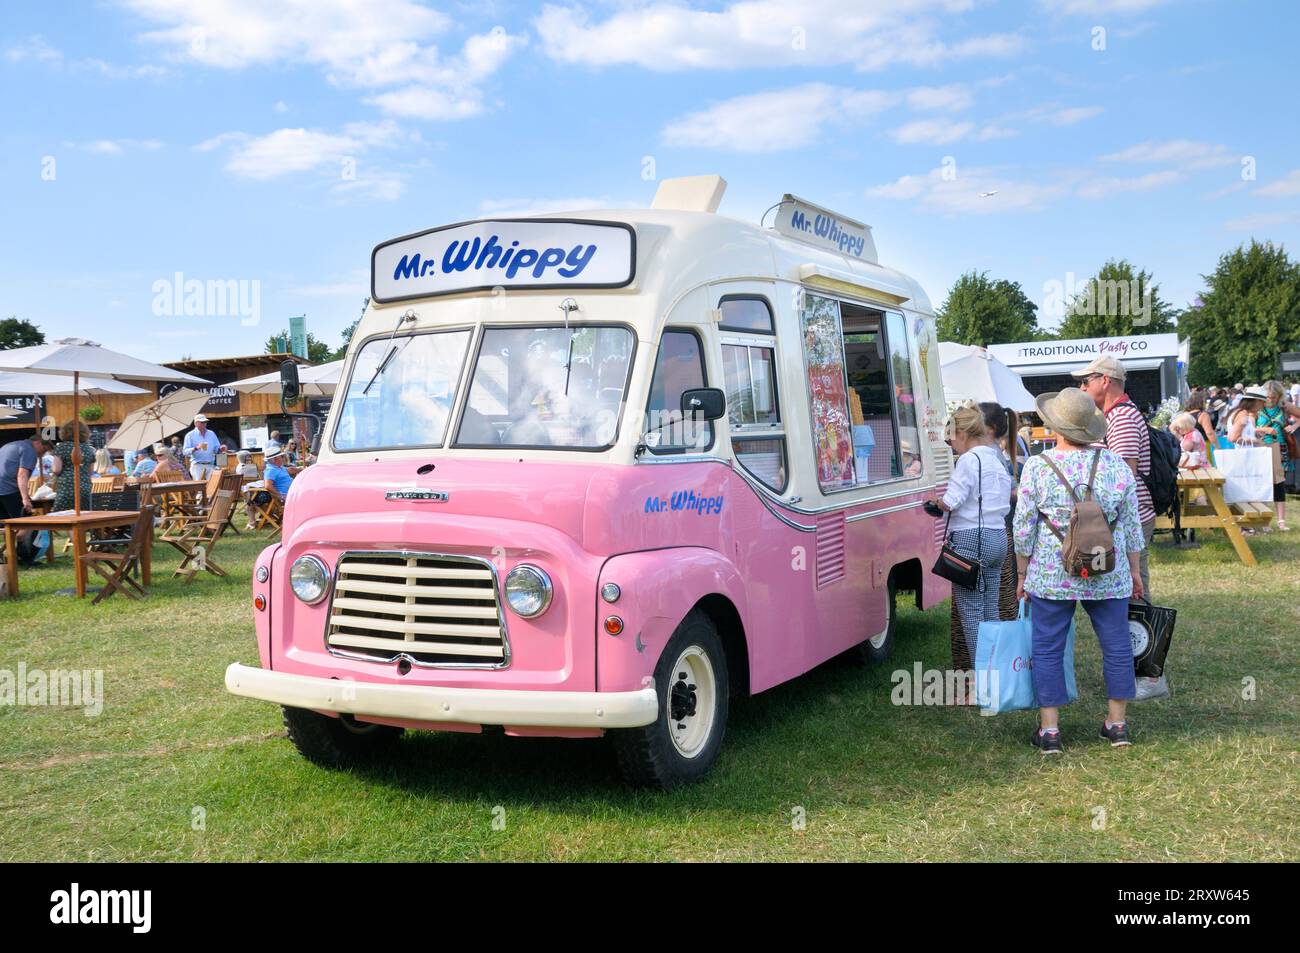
x,y
277,474
145,465
104,465
168,470
1189,440
246,468
65,472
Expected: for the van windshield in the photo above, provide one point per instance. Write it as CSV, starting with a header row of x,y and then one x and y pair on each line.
x,y
410,403
548,386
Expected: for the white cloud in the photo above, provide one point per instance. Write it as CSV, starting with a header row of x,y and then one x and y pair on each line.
x,y
961,193
280,106
1101,7
1288,185
1106,187
33,49
667,36
1183,153
1055,114
1262,220
356,44
775,120
343,158
933,132
950,98
115,147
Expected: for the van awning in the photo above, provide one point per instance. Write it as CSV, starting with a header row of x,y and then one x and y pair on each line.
x,y
1065,367
849,282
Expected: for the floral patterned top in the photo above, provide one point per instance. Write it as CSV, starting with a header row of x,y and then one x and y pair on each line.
x,y
1043,495
63,490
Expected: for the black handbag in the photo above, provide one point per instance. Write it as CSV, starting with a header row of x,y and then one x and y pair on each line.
x,y
1151,629
951,565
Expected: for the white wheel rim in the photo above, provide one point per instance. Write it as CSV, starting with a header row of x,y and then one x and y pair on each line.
x,y
691,732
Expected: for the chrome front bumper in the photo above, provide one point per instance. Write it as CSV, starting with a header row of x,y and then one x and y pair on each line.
x,y
472,706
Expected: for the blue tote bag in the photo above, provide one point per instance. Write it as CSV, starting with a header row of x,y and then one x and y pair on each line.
x,y
1004,676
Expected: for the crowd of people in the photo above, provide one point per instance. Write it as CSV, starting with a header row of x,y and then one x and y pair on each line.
x,y
38,469
1009,512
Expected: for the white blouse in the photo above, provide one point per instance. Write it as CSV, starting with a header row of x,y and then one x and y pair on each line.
x,y
979,467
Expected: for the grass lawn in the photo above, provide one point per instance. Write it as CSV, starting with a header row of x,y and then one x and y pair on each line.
x,y
1212,776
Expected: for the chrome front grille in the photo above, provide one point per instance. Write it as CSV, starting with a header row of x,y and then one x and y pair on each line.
x,y
434,609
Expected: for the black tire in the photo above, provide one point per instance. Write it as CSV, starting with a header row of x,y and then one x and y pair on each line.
x,y
336,742
649,757
864,653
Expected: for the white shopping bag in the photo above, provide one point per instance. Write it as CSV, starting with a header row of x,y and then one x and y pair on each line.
x,y
1249,473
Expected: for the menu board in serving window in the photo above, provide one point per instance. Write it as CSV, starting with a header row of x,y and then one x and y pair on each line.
x,y
823,351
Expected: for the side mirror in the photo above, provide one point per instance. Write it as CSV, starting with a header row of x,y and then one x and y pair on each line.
x,y
704,403
290,389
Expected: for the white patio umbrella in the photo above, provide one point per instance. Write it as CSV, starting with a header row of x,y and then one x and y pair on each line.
x,y
82,358
154,422
319,380
8,413
972,373
54,385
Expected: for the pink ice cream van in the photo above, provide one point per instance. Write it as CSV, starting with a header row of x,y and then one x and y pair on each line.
x,y
602,473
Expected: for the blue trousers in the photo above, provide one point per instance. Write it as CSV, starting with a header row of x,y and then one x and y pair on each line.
x,y
1051,623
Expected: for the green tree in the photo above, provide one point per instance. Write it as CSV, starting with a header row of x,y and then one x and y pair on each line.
x,y
1117,300
1248,315
17,332
981,311
318,352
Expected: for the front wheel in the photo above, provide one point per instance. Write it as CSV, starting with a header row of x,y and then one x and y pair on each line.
x,y
879,646
335,742
682,743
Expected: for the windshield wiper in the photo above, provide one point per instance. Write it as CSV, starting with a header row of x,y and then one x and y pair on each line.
x,y
392,350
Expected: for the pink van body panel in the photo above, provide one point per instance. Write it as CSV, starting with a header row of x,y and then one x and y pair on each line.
x,y
669,535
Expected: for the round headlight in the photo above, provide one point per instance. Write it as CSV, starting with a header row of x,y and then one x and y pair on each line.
x,y
310,579
528,590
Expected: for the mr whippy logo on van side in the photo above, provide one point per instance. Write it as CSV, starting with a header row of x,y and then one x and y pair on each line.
x,y
505,254
685,501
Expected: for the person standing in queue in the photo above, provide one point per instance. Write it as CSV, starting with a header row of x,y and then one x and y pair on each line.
x,y
978,498
1049,488
1126,434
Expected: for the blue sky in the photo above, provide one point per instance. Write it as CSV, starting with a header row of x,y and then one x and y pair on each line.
x,y
277,143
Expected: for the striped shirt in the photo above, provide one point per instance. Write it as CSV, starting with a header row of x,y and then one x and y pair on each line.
x,y
1126,435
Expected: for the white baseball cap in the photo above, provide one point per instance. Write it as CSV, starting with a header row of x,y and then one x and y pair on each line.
x,y
200,419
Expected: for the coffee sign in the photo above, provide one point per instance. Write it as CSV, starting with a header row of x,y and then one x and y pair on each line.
x,y
221,398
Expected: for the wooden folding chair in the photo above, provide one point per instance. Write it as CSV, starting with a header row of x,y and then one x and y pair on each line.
x,y
265,515
101,484
197,537
116,567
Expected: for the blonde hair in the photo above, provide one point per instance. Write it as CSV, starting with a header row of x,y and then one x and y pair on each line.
x,y
103,461
1275,390
969,422
1183,423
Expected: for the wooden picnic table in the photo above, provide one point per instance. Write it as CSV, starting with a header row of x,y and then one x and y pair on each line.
x,y
1215,512
170,496
76,525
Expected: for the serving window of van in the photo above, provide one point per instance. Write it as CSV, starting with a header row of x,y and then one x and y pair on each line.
x,y
860,382
748,338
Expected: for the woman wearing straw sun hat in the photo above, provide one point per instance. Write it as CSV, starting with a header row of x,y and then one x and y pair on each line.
x,y
1043,510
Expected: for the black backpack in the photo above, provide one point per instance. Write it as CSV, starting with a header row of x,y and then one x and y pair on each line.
x,y
1162,481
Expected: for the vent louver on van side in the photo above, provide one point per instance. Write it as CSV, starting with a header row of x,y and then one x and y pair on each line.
x,y
830,548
